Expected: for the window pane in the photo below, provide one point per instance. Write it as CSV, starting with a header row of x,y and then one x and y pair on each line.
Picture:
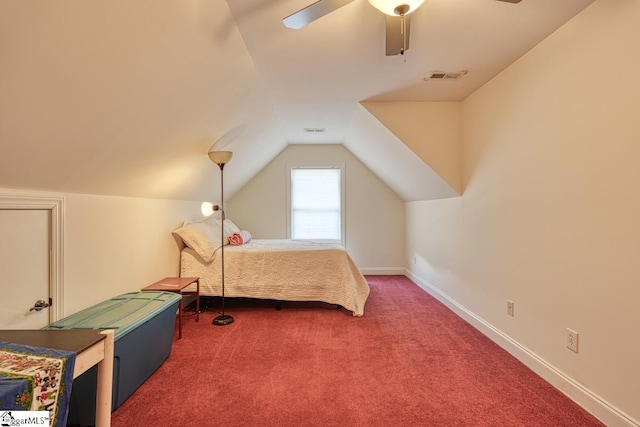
x,y
315,203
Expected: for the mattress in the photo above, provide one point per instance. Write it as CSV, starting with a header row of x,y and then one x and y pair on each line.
x,y
282,269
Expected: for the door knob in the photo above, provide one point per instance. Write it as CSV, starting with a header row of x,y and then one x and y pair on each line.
x,y
39,305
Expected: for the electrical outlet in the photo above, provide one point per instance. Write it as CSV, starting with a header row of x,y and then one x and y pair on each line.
x,y
572,340
510,308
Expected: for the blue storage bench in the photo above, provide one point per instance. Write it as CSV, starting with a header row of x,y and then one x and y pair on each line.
x,y
143,324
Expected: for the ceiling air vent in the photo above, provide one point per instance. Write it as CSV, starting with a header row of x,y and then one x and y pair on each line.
x,y
442,75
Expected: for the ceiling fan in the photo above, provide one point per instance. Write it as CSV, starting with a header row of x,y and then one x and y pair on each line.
x,y
397,13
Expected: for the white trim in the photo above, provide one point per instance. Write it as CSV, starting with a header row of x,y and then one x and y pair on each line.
x,y
600,408
55,204
383,271
343,196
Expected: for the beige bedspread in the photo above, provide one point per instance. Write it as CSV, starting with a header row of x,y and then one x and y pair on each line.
x,y
282,269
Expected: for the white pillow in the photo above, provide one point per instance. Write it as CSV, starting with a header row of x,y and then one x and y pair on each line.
x,y
203,237
230,228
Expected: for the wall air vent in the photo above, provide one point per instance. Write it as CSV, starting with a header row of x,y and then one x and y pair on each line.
x,y
442,75
315,130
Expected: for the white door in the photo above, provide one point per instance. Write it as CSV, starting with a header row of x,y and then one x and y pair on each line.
x,y
25,244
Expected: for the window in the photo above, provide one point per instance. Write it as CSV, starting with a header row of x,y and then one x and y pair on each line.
x,y
316,201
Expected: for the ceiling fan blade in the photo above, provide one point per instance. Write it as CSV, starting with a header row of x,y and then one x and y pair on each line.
x,y
312,12
397,38
511,1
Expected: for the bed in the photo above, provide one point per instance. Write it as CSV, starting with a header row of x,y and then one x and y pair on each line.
x,y
276,269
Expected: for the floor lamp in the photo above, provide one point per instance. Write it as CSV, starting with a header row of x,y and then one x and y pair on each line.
x,y
221,158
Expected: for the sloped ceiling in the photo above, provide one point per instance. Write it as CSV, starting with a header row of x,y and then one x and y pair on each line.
x,y
126,97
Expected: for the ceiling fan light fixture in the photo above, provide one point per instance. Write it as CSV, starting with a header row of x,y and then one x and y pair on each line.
x,y
396,7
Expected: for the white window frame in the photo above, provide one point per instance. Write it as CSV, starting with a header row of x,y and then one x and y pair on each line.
x,y
320,165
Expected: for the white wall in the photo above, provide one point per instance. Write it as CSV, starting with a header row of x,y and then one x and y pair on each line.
x,y
431,130
549,217
374,213
114,245
119,244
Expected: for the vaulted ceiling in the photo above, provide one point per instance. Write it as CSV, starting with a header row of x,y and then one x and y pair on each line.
x,y
126,97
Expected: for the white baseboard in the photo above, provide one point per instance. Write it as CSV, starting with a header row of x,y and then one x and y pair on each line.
x,y
383,271
601,409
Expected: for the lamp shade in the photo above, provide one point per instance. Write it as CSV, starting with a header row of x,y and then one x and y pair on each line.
x,y
389,7
208,208
220,157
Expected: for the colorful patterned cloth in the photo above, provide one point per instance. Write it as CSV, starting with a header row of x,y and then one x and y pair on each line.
x,y
36,379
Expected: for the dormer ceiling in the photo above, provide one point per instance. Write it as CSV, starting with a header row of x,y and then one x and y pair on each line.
x,y
126,98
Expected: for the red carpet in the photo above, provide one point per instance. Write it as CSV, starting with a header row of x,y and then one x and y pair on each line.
x,y
408,362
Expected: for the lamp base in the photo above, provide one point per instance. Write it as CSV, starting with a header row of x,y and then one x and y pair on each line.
x,y
222,320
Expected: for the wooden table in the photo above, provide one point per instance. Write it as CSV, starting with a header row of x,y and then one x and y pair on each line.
x,y
177,285
91,347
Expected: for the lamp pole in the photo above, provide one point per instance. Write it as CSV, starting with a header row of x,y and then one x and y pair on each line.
x,y
221,158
